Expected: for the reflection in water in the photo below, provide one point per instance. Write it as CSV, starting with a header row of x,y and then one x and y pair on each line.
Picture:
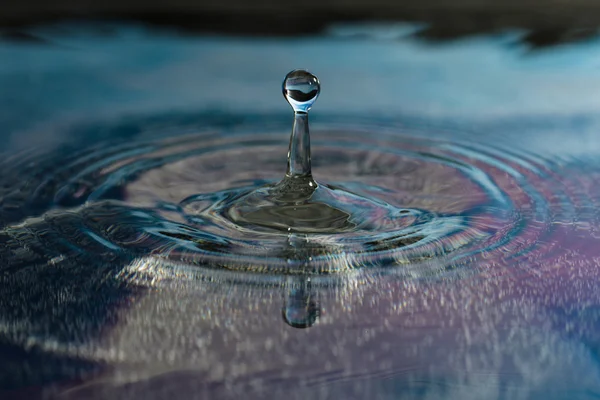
x,y
301,308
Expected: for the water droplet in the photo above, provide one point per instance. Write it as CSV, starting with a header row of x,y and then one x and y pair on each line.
x,y
301,89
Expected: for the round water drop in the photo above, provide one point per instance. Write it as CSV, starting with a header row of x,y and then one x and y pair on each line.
x,y
301,89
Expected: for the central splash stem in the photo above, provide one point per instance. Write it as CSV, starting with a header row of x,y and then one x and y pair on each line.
x,y
298,165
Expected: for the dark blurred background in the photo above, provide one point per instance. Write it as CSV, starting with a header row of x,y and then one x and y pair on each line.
x,y
548,22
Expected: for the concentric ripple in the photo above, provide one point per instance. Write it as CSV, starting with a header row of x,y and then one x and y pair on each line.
x,y
438,204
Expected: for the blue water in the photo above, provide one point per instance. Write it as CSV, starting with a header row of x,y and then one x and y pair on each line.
x,y
103,135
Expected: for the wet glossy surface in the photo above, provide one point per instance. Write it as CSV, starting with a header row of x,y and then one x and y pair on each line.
x,y
118,280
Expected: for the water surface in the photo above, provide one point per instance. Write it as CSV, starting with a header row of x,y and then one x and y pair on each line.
x,y
105,135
